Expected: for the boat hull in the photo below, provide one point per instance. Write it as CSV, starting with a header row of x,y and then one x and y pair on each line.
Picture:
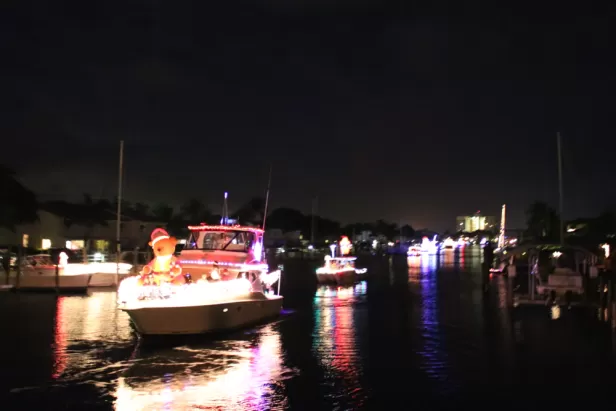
x,y
204,319
106,279
72,283
340,278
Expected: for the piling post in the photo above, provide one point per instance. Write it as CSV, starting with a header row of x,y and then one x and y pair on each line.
x,y
608,304
18,262
7,265
57,277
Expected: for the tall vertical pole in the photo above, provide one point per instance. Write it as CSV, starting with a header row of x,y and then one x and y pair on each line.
x,y
118,212
267,193
313,225
224,220
560,189
501,237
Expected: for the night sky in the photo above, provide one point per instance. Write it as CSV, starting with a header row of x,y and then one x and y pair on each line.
x,y
381,111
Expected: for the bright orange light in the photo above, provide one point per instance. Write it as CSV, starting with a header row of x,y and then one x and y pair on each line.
x,y
345,245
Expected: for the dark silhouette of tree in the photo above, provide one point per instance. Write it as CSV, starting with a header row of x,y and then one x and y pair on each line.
x,y
141,210
162,212
326,227
386,229
287,219
542,222
251,213
195,212
407,231
18,205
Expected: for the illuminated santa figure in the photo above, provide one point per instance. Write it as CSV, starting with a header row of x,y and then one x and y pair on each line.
x,y
63,259
345,245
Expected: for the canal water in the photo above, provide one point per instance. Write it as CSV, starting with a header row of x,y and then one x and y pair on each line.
x,y
419,334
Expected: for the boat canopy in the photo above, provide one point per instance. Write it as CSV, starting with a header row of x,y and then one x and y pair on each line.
x,y
223,238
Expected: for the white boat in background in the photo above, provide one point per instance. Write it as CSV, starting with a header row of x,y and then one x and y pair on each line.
x,y
339,270
226,288
414,250
38,272
37,269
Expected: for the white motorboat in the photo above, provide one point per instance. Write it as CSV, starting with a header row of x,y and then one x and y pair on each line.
x,y
38,272
200,308
226,289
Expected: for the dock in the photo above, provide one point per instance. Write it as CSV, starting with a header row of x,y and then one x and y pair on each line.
x,y
6,287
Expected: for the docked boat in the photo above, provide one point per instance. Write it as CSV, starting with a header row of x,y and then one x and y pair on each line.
x,y
557,274
39,273
227,286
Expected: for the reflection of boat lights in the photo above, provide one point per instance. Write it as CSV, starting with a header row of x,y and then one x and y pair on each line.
x,y
91,319
338,355
428,264
431,351
60,341
483,241
555,312
248,384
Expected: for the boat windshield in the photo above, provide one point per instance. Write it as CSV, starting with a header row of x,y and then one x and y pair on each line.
x,y
240,241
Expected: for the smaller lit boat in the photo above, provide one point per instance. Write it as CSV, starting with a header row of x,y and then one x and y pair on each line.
x,y
414,250
339,270
449,244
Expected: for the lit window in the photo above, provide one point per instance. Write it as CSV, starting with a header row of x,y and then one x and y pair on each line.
x,y
46,244
24,240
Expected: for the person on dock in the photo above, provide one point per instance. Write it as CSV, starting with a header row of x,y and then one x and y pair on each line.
x,y
488,259
6,262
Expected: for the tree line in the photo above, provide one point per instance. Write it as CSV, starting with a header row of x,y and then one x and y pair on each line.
x,y
19,205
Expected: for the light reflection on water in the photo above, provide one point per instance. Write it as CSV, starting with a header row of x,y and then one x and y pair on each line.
x,y
431,333
334,342
237,375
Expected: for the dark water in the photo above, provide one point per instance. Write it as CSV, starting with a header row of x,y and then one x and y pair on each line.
x,y
418,335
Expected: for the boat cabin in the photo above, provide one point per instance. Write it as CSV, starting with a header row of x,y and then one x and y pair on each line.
x,y
230,250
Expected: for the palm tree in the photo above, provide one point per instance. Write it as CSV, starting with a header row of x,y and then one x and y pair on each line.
x,y
195,212
163,212
18,205
542,221
251,212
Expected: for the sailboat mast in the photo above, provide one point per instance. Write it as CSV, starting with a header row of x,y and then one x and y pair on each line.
x,y
119,211
269,183
560,189
313,222
224,220
501,236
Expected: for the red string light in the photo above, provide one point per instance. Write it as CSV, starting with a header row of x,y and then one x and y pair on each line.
x,y
224,228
